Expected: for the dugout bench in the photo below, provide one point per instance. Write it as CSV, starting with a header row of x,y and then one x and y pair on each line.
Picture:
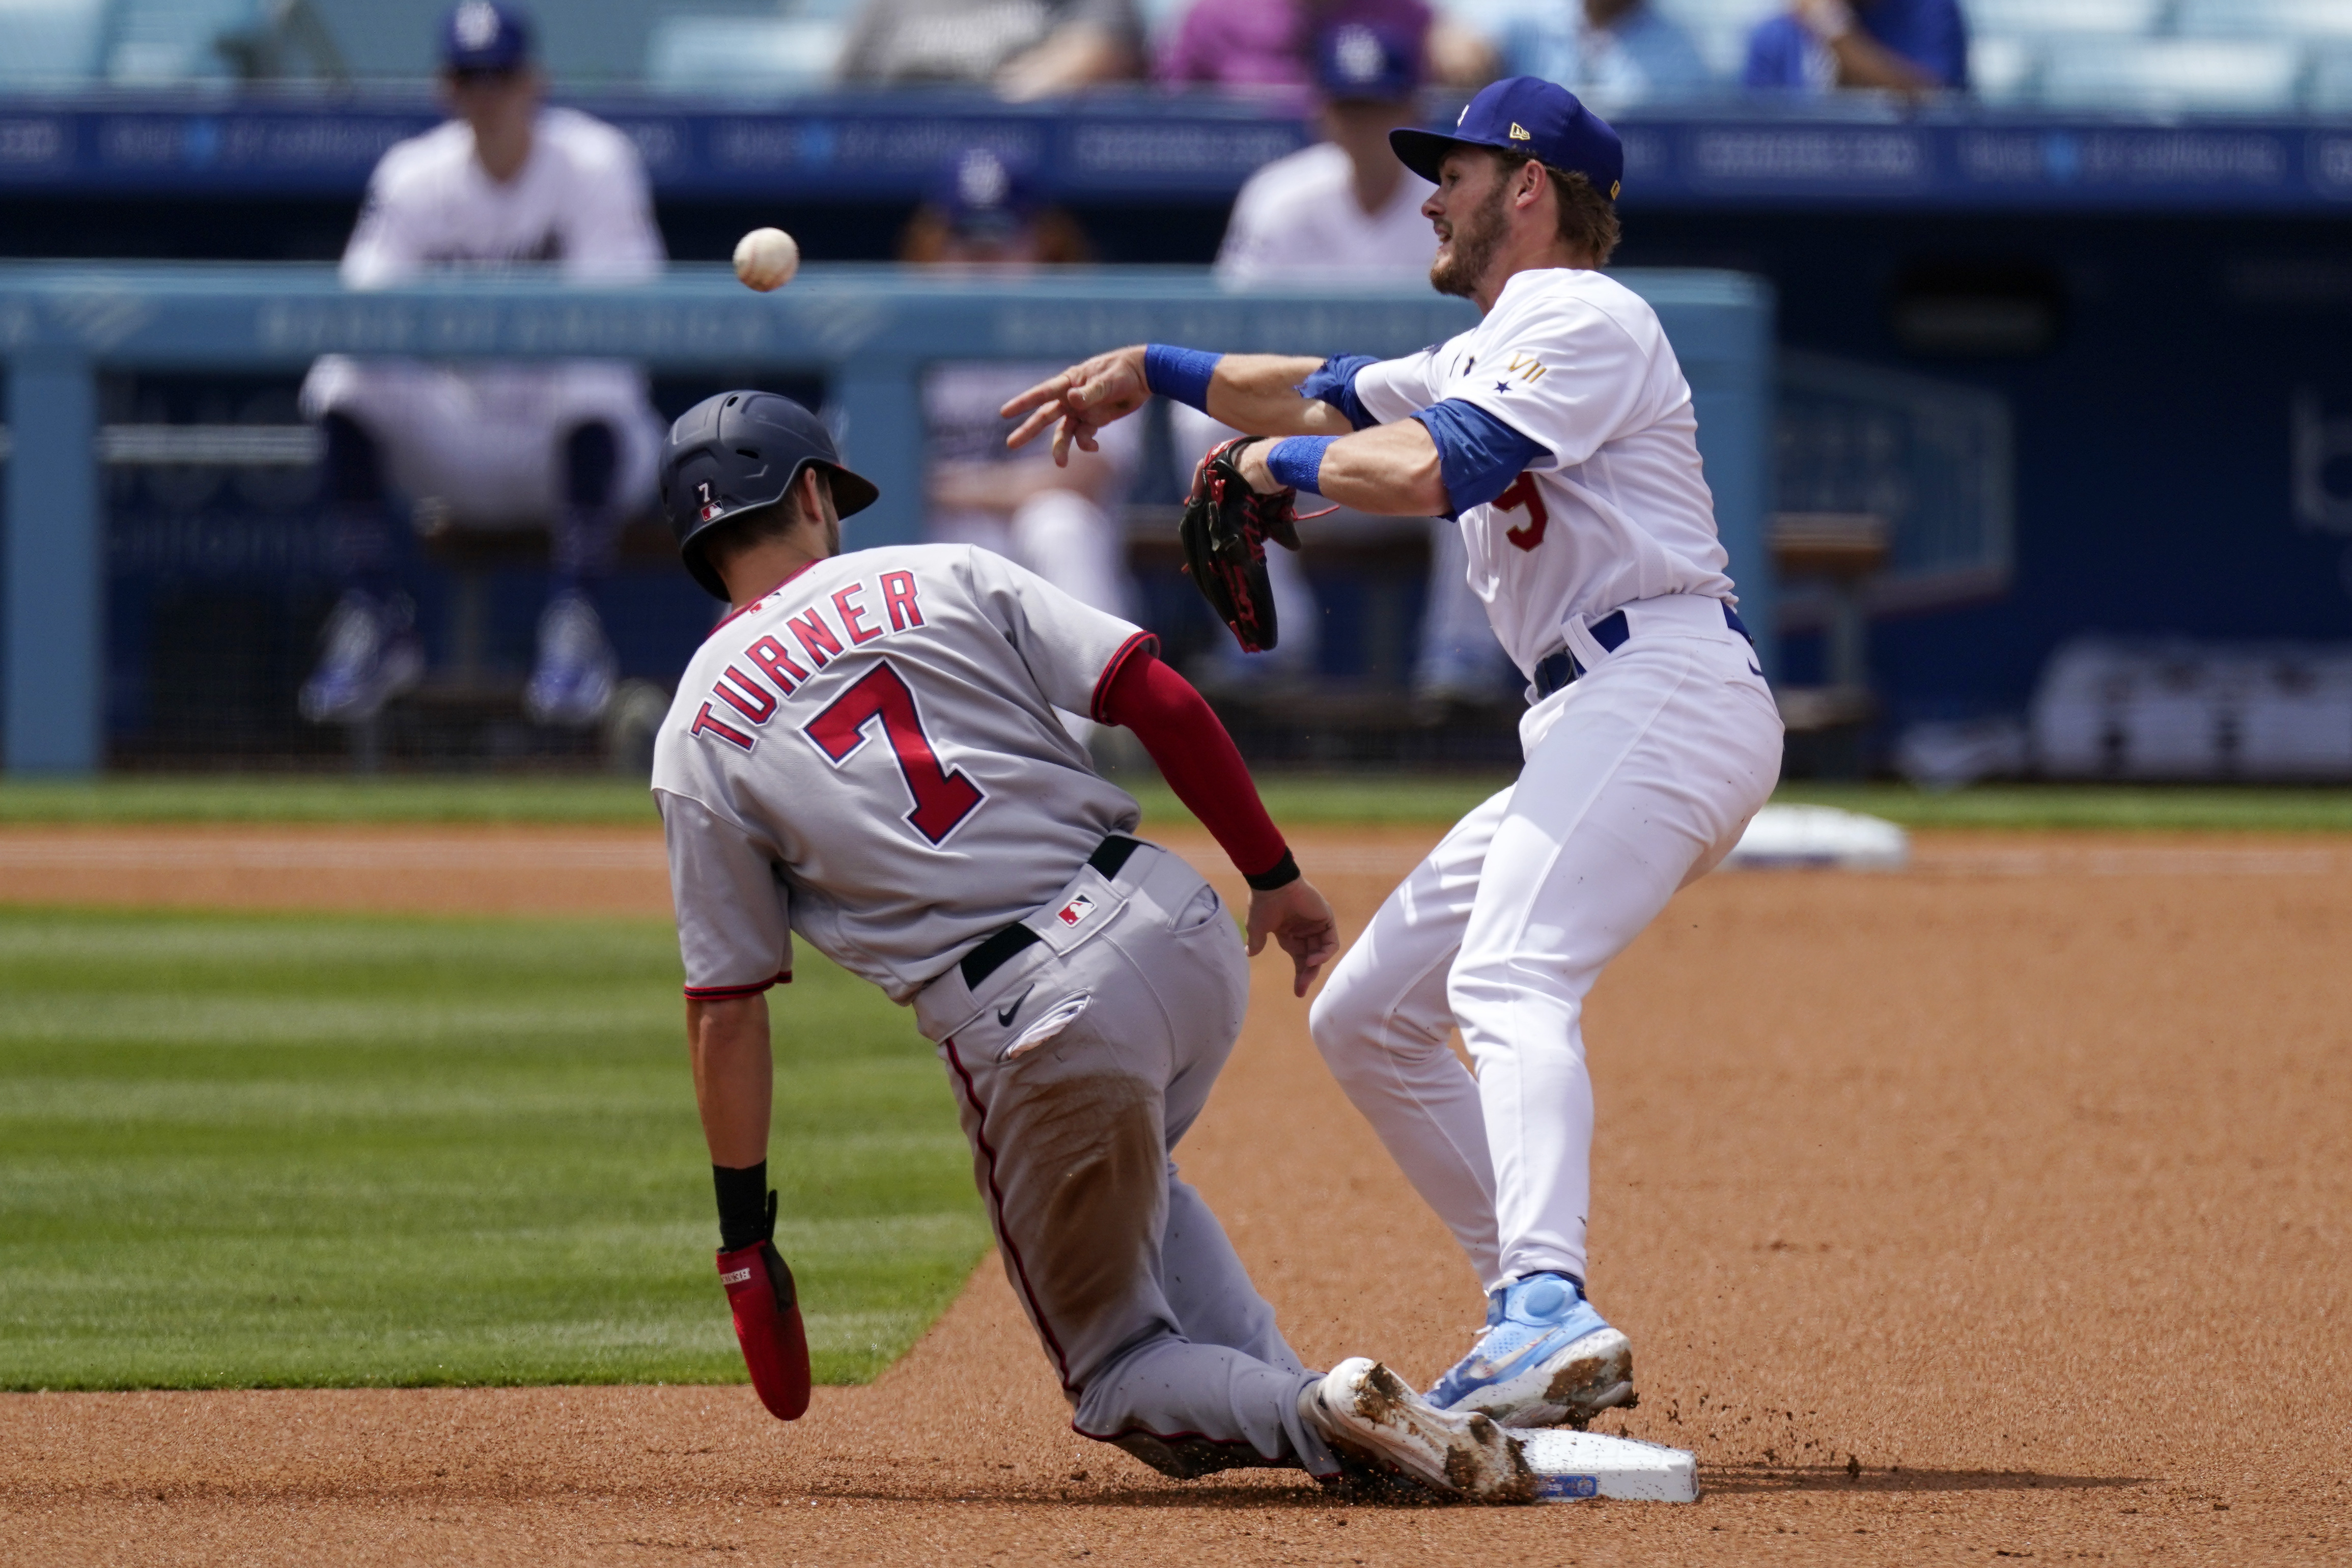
x,y
867,330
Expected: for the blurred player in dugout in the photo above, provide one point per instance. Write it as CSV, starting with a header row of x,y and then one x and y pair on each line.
x,y
1345,211
570,445
1063,523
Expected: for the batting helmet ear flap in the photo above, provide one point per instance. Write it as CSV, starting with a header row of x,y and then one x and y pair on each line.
x,y
740,451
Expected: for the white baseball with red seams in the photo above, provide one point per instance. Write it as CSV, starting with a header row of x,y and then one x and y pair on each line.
x,y
1639,776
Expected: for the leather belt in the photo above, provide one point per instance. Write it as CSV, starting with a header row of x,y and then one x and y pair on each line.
x,y
999,946
1558,669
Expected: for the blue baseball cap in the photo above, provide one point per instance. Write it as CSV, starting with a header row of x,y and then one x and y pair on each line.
x,y
485,35
1524,114
985,194
1366,64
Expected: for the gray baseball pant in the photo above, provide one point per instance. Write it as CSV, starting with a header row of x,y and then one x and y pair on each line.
x,y
1078,1065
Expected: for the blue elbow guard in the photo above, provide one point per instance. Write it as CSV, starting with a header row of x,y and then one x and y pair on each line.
x,y
1334,382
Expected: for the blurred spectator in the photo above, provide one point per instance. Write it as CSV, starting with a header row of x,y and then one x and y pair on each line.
x,y
568,444
1024,48
1909,46
1271,43
1346,210
1625,50
1062,523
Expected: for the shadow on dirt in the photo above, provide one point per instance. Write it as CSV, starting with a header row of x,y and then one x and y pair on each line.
x,y
1734,1481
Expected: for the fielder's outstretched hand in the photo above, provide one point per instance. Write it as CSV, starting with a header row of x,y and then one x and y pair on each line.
x,y
1082,398
1299,918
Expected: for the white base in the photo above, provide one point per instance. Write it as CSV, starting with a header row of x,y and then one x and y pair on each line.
x,y
1819,835
1574,1465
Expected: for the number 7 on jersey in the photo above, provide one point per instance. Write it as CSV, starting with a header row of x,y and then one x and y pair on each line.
x,y
943,799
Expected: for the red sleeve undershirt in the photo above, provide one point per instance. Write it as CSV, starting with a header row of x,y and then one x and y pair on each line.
x,y
1195,756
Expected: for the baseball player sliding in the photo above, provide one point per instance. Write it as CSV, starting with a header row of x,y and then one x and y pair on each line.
x,y
1560,431
866,753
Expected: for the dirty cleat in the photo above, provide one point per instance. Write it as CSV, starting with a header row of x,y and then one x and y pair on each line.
x,y
1364,1409
370,656
1546,1358
573,683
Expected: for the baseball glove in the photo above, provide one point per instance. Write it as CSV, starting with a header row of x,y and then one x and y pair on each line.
x,y
1225,529
767,1311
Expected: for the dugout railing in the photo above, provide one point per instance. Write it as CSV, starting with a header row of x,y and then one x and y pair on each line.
x,y
866,332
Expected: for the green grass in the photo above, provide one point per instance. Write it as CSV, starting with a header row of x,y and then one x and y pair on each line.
x,y
1304,799
256,1150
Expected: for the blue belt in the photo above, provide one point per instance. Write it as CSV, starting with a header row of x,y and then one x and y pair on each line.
x,y
1610,631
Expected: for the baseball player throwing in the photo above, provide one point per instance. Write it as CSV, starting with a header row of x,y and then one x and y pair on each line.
x,y
865,751
1560,431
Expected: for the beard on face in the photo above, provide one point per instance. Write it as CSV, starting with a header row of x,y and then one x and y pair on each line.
x,y
1476,237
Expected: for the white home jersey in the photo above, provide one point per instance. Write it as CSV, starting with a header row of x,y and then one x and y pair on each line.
x,y
869,756
1299,217
1619,511
579,200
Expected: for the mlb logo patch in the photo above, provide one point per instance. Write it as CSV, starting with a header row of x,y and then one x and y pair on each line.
x,y
1075,911
709,513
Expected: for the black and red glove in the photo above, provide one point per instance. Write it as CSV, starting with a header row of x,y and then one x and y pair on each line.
x,y
767,1309
1223,532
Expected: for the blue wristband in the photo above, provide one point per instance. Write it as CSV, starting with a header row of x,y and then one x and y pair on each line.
x,y
1180,373
1298,461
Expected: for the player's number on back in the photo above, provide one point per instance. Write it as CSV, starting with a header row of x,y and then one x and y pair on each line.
x,y
1522,492
943,799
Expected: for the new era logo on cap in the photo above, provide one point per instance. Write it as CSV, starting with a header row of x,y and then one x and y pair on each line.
x,y
1520,132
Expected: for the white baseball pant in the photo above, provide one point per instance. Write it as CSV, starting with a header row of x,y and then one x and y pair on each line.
x,y
1161,1343
486,440
1640,776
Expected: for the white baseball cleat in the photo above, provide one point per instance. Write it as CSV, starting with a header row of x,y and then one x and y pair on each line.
x,y
1364,1408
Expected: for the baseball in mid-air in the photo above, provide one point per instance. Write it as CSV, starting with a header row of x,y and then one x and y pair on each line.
x,y
766,259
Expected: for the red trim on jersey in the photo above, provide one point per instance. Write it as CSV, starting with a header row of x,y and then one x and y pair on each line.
x,y
735,993
752,603
996,1196
1141,642
1195,755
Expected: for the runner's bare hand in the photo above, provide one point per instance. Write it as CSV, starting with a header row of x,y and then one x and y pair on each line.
x,y
1299,919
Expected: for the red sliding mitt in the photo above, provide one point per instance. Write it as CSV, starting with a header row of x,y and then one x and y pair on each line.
x,y
768,1322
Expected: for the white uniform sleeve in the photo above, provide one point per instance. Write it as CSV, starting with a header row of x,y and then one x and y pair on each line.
x,y
734,933
1072,649
386,244
1396,389
1564,374
1253,238
610,234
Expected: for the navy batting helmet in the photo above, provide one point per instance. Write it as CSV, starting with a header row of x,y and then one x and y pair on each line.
x,y
738,452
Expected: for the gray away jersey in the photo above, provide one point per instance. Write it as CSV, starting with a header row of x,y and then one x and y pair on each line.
x,y
869,756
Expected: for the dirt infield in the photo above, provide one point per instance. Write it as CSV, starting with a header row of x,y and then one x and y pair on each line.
x,y
1999,1208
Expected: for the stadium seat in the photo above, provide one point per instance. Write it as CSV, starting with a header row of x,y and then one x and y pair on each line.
x,y
1720,28
2228,75
49,43
155,42
742,54
2331,83
2265,19
2010,19
2003,70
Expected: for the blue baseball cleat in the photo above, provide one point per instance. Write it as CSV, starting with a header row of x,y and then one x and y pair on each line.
x,y
1545,1359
